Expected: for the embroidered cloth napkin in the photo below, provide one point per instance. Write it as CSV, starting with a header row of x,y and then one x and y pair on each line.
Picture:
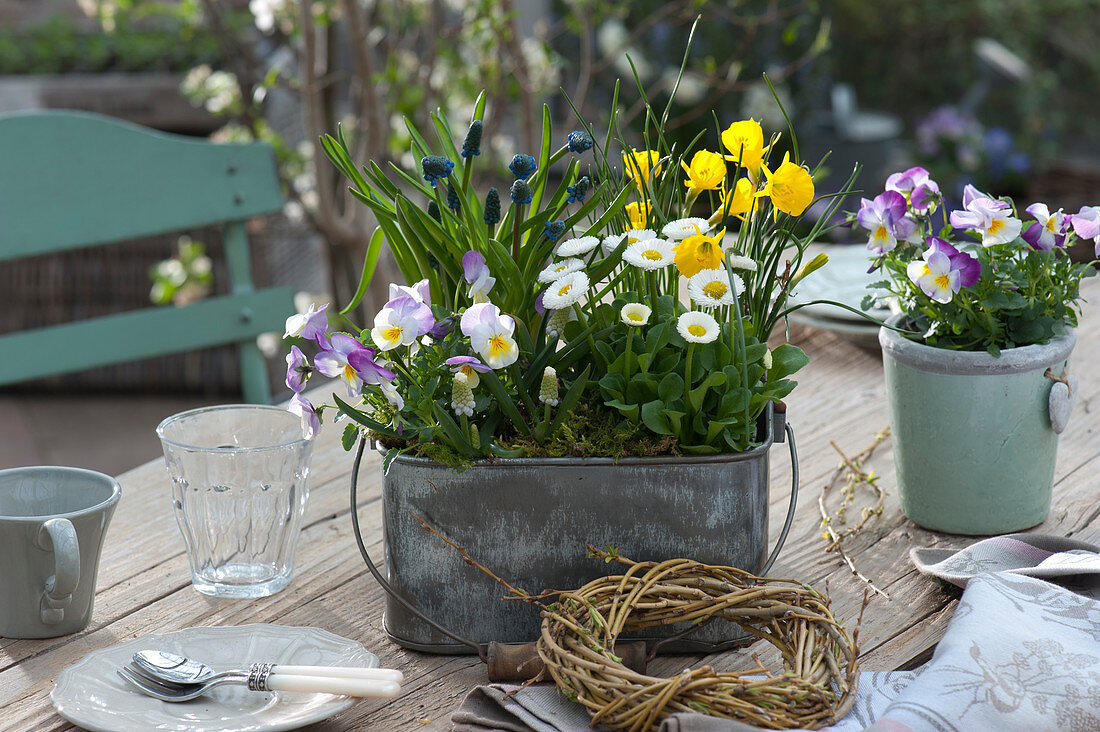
x,y
1020,653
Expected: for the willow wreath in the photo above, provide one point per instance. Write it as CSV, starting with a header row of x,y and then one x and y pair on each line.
x,y
816,688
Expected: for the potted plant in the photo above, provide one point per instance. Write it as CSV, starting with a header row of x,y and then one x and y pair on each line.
x,y
976,361
577,360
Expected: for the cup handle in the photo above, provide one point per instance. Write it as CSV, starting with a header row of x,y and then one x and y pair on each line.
x,y
59,537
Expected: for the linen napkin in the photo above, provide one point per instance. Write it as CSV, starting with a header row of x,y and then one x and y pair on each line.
x,y
1020,653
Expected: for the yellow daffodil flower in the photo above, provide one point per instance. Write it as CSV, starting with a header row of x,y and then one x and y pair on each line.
x,y
639,164
745,142
638,211
699,252
790,187
707,172
739,201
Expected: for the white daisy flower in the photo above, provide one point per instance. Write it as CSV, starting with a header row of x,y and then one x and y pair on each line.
x,y
746,263
697,327
650,255
681,229
635,314
710,288
609,243
565,291
557,270
577,247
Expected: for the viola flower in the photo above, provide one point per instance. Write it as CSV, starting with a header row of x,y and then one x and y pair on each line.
x,y
389,390
553,229
707,172
885,218
991,218
712,288
348,359
943,271
683,228
635,314
697,327
436,167
566,291
639,166
421,292
699,252
453,202
576,247
471,146
311,324
521,192
638,213
651,254
442,329
1086,224
476,274
917,186
401,323
790,187
578,190
462,396
548,389
739,201
745,142
311,422
298,369
469,366
580,141
522,166
492,207
490,334
1047,231
556,270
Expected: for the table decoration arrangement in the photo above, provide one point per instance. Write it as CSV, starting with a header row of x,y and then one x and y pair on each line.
x,y
580,359
978,387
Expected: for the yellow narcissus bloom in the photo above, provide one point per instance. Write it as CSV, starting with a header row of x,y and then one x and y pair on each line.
x,y
737,202
707,171
638,211
745,142
699,252
639,164
790,187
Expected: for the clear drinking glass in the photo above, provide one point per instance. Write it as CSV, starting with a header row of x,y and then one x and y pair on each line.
x,y
240,483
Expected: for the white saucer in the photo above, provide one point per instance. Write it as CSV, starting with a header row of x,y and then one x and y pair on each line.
x,y
90,693
845,280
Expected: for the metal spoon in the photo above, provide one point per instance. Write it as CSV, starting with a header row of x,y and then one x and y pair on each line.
x,y
176,669
310,684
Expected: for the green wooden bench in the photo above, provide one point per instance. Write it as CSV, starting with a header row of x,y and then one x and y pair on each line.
x,y
70,180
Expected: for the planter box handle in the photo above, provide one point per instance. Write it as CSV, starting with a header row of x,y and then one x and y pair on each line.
x,y
781,411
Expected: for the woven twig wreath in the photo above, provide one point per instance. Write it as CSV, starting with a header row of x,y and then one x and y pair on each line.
x,y
819,656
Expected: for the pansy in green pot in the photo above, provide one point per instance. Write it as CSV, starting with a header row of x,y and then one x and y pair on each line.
x,y
977,353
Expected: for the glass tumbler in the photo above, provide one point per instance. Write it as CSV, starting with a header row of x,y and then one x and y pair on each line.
x,y
240,484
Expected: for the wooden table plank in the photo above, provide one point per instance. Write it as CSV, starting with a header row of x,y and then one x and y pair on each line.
x,y
144,582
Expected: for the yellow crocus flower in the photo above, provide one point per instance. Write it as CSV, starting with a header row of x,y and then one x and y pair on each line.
x,y
707,172
638,211
699,252
790,187
639,164
745,142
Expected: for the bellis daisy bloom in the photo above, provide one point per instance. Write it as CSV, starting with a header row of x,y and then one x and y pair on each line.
x,y
610,243
707,171
711,288
697,327
649,255
635,314
746,263
790,187
566,291
578,246
683,228
699,252
557,270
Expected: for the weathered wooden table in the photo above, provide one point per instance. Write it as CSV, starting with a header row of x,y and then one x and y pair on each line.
x,y
144,584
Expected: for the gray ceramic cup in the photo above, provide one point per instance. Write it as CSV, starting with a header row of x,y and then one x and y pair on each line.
x,y
52,522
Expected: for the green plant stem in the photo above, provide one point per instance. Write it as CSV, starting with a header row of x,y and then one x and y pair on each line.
x,y
690,416
515,231
528,402
628,368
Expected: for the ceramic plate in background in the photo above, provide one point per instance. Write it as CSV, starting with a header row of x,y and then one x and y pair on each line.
x,y
91,694
845,280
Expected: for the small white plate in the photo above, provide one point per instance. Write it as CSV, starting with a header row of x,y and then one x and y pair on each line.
x,y
92,695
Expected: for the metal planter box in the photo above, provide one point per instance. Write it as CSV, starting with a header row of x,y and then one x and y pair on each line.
x,y
530,520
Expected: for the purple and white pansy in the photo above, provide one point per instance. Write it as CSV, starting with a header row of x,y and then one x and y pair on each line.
x,y
401,322
310,325
490,333
311,422
1049,230
990,217
1086,224
943,270
476,274
298,370
885,217
469,366
348,359
915,183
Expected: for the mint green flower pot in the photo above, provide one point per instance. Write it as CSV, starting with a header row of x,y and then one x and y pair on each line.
x,y
974,446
